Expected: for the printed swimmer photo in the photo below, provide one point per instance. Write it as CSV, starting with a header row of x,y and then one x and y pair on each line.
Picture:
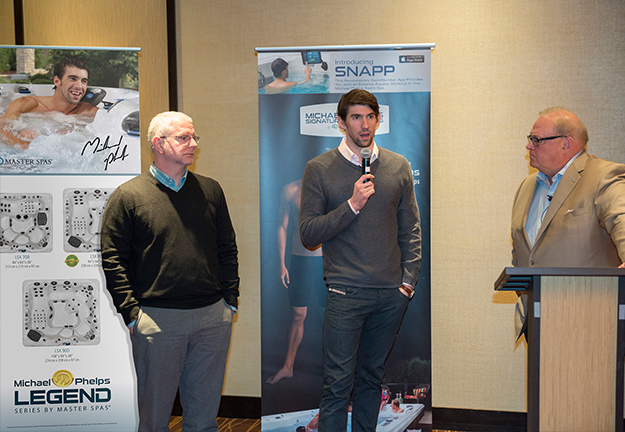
x,y
61,312
293,72
65,111
25,223
83,218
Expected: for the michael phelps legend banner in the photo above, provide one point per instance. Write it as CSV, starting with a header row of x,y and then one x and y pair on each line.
x,y
299,89
69,135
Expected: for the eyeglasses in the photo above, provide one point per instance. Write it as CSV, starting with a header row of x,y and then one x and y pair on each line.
x,y
539,141
184,138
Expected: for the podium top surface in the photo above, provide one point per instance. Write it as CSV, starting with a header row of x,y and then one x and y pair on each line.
x,y
519,278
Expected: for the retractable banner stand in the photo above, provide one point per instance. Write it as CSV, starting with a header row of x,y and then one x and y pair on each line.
x,y
298,121
69,135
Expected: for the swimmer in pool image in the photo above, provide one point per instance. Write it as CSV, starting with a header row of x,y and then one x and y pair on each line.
x,y
71,77
280,69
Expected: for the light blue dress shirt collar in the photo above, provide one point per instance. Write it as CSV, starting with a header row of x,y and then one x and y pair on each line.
x,y
542,199
166,180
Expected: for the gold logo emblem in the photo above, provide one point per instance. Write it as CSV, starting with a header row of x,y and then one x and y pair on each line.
x,y
62,378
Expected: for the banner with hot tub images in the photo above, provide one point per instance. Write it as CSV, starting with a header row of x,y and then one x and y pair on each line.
x,y
69,135
299,89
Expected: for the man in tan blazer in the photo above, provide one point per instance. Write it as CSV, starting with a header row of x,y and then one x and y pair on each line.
x,y
572,212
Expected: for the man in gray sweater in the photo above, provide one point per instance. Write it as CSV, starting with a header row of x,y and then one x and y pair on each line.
x,y
370,229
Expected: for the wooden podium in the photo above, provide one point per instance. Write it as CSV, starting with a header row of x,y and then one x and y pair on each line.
x,y
576,347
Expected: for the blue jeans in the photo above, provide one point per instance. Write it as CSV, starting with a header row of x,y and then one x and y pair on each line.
x,y
359,331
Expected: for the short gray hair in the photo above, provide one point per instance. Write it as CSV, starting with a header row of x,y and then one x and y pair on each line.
x,y
162,124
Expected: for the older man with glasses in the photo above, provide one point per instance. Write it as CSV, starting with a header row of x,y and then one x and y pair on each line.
x,y
571,213
170,260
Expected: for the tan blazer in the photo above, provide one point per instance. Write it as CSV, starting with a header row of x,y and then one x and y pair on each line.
x,y
585,223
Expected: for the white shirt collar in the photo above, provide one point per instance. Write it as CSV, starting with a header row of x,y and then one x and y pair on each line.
x,y
352,157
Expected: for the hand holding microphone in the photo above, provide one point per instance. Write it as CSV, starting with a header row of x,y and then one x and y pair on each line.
x,y
365,154
363,188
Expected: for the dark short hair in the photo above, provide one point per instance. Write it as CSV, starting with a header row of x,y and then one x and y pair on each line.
x,y
59,69
277,66
357,97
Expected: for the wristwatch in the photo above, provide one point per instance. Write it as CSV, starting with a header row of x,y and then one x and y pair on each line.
x,y
407,289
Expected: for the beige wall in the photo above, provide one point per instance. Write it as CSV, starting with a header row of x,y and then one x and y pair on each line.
x,y
496,64
7,29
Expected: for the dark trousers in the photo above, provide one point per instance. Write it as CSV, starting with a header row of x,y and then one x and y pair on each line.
x,y
359,331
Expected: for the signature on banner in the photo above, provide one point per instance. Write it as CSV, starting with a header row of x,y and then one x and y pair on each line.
x,y
111,150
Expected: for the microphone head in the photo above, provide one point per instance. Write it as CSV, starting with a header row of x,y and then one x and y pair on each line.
x,y
365,153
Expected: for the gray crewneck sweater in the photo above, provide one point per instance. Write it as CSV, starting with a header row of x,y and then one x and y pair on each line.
x,y
381,246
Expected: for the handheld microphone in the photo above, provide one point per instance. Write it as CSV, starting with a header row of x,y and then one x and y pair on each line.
x,y
365,153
